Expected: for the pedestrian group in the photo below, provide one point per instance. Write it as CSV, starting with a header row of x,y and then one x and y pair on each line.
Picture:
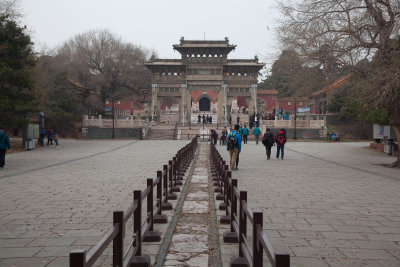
x,y
238,134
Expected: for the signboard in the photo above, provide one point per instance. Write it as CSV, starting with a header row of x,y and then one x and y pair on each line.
x,y
383,130
32,131
303,110
108,110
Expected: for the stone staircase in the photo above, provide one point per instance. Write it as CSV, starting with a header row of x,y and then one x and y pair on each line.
x,y
160,134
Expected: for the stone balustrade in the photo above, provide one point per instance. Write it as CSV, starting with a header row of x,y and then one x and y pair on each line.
x,y
301,122
100,122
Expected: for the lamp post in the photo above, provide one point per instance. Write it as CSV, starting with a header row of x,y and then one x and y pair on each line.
x,y
225,111
154,99
255,97
113,117
295,117
183,86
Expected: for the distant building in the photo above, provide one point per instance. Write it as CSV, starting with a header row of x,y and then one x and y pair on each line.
x,y
322,97
203,80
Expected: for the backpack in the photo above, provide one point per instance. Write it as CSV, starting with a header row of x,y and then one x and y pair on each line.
x,y
231,141
268,139
281,139
264,140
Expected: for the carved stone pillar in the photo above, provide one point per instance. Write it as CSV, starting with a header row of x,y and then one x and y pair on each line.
x,y
222,103
188,111
154,102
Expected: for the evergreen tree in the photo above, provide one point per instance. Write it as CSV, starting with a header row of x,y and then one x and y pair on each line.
x,y
17,96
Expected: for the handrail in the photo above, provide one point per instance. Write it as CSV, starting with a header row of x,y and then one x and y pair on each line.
x,y
128,213
266,244
232,197
143,227
248,212
96,251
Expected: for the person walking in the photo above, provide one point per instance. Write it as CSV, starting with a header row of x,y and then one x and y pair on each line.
x,y
198,119
280,140
257,133
4,145
224,134
42,134
234,145
204,119
56,138
214,136
245,133
237,119
268,142
50,137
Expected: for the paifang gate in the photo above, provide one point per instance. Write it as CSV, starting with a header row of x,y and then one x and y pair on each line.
x,y
203,80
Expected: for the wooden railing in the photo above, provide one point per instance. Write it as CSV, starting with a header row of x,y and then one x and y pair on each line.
x,y
166,183
227,189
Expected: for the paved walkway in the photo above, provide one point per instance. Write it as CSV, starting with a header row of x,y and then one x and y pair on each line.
x,y
54,200
190,241
327,204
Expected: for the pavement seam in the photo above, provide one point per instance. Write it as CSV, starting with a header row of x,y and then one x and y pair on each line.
x,y
343,165
216,252
174,221
66,162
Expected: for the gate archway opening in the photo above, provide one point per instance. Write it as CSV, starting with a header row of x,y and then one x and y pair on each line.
x,y
204,104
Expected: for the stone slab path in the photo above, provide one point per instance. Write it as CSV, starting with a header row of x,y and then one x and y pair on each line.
x,y
191,240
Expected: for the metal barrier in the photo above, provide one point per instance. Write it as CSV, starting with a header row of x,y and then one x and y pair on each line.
x,y
231,196
166,183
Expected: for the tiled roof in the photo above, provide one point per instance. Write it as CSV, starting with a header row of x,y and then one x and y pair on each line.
x,y
267,92
75,83
331,87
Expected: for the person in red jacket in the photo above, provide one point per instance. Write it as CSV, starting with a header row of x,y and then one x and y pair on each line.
x,y
280,140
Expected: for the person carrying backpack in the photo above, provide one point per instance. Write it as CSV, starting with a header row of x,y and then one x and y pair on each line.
x,y
245,133
280,140
224,134
50,137
257,133
268,142
214,136
233,145
4,145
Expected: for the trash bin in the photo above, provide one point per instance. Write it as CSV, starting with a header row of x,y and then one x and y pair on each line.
x,y
30,144
388,145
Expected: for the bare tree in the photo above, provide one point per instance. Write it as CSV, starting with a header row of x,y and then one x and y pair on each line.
x,y
10,8
341,33
101,62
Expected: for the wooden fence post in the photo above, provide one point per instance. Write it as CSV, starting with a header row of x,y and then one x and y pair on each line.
x,y
242,221
137,221
282,259
118,242
159,217
77,258
257,248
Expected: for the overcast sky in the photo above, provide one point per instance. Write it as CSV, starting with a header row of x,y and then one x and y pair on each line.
x,y
159,24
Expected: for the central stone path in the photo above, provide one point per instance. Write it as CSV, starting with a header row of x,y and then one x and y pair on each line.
x,y
191,240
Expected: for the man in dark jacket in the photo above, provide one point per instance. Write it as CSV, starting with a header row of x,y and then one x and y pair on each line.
x,y
268,142
280,140
4,145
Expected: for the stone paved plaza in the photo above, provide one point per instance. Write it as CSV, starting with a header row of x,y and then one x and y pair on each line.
x,y
327,204
54,200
